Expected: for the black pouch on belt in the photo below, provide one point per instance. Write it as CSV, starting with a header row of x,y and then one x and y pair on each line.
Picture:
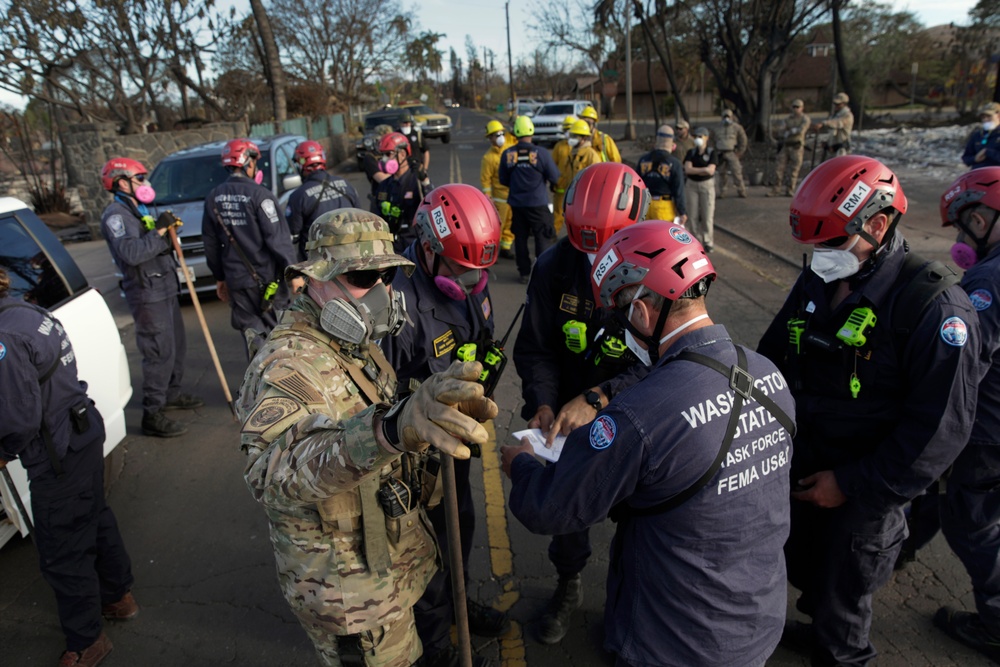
x,y
79,417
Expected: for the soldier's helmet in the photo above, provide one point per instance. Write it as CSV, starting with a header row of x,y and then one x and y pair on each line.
x,y
345,240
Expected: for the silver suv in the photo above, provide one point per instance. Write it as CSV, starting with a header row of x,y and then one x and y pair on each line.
x,y
183,179
548,120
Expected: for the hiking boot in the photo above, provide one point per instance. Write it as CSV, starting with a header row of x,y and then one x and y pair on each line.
x,y
124,610
88,657
449,658
486,621
555,622
184,402
159,425
968,628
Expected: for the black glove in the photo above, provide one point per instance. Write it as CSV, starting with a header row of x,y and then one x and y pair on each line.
x,y
167,219
421,174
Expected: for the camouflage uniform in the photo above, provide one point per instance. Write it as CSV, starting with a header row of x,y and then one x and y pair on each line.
x,y
350,574
730,144
841,123
792,137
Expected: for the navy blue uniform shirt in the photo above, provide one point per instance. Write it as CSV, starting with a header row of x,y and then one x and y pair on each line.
x,y
525,169
257,223
440,324
982,284
32,342
663,174
978,140
551,373
704,583
701,160
319,193
146,260
917,396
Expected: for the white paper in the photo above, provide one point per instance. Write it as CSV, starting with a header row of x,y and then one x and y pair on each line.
x,y
537,441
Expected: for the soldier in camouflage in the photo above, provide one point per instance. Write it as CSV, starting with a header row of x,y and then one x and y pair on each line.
x,y
332,463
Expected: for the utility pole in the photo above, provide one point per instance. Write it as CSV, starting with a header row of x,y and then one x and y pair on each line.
x,y
510,61
629,127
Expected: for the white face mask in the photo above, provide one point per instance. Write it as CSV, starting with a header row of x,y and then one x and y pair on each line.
x,y
835,264
643,354
573,141
500,140
699,142
988,126
405,129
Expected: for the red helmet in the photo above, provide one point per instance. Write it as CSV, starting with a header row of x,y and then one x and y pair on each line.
x,y
120,167
662,256
979,186
602,199
394,141
460,223
309,155
839,196
237,151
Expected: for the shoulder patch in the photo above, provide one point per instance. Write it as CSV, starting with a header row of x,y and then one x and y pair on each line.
x,y
603,432
270,210
487,308
981,299
954,332
116,225
3,350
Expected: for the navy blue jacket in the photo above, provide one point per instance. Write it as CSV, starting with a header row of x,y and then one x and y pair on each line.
x,y
663,174
440,324
525,168
257,223
144,257
978,140
917,399
703,583
403,195
32,342
321,192
982,284
551,373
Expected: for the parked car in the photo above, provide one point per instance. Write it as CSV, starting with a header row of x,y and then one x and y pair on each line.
x,y
548,120
432,124
367,142
183,179
42,272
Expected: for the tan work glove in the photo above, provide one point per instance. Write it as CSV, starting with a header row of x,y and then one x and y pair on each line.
x,y
445,411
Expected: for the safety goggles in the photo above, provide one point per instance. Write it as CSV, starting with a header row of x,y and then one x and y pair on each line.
x,y
368,279
139,177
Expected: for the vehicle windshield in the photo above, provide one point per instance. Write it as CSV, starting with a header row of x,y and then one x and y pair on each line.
x,y
191,179
421,109
372,122
556,110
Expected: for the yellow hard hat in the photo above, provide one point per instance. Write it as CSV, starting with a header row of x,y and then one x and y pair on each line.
x,y
580,127
493,127
568,122
523,127
589,112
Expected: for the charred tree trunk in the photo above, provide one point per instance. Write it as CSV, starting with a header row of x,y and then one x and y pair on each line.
x,y
271,61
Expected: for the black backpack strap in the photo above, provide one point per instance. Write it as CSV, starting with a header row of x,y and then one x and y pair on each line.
x,y
742,383
923,282
50,446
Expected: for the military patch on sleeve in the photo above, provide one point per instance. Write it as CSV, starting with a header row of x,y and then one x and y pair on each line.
x,y
444,343
295,385
117,226
954,332
270,210
603,432
981,299
271,412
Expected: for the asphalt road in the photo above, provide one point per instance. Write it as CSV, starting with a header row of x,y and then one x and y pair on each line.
x,y
202,561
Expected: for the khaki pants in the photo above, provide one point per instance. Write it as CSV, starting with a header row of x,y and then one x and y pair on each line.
x,y
661,209
506,235
790,157
701,210
729,162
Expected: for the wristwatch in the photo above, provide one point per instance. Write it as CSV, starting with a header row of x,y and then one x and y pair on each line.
x,y
390,429
593,399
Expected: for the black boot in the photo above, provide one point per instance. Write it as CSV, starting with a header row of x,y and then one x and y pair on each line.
x,y
184,402
968,628
159,425
486,621
567,598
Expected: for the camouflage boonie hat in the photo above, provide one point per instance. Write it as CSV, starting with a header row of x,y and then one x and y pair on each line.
x,y
344,240
989,109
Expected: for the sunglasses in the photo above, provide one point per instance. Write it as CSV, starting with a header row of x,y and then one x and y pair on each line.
x,y
835,242
368,279
140,177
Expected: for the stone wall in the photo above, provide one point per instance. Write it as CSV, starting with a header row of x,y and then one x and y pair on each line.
x,y
86,147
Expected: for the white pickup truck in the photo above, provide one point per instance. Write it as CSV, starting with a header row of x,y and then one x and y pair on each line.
x,y
42,272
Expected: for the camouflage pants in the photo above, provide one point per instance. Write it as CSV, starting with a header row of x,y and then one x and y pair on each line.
x,y
728,162
393,645
790,157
